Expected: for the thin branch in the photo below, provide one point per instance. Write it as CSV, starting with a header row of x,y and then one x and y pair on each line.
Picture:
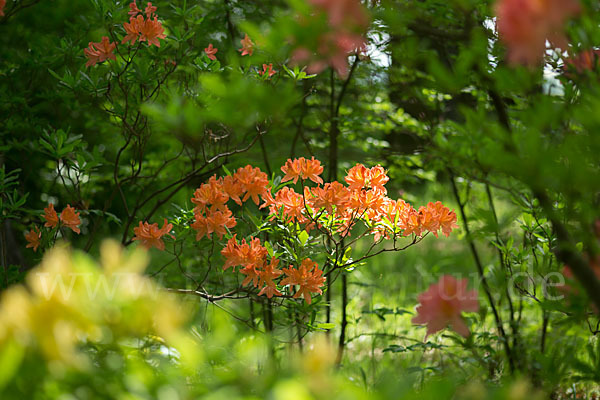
x,y
484,282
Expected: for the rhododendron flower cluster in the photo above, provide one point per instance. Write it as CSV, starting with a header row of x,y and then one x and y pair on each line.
x,y
339,207
69,218
525,26
308,277
211,213
147,29
332,205
347,21
253,260
99,52
442,304
267,70
150,235
302,168
2,4
333,208
290,203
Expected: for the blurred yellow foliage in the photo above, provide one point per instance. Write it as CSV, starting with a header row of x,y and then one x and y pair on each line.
x,y
69,299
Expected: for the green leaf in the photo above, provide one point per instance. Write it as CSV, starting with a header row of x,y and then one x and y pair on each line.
x,y
269,248
325,326
303,237
394,348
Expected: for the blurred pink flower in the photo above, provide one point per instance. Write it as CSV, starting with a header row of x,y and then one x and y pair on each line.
x,y
570,287
333,51
525,25
341,13
247,46
211,51
442,304
347,21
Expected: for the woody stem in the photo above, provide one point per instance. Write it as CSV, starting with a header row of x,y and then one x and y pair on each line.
x,y
484,282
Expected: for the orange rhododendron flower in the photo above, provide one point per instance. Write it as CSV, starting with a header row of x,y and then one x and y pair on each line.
x,y
70,218
435,216
150,9
210,193
378,177
151,236
151,31
233,188
311,169
292,170
442,304
254,260
257,253
364,199
211,51
357,177
2,4
200,225
360,177
410,222
33,238
308,277
269,201
133,9
367,201
266,276
252,272
267,69
247,46
333,194
233,253
526,25
243,254
446,217
50,216
302,168
132,29
216,221
292,203
99,52
254,181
